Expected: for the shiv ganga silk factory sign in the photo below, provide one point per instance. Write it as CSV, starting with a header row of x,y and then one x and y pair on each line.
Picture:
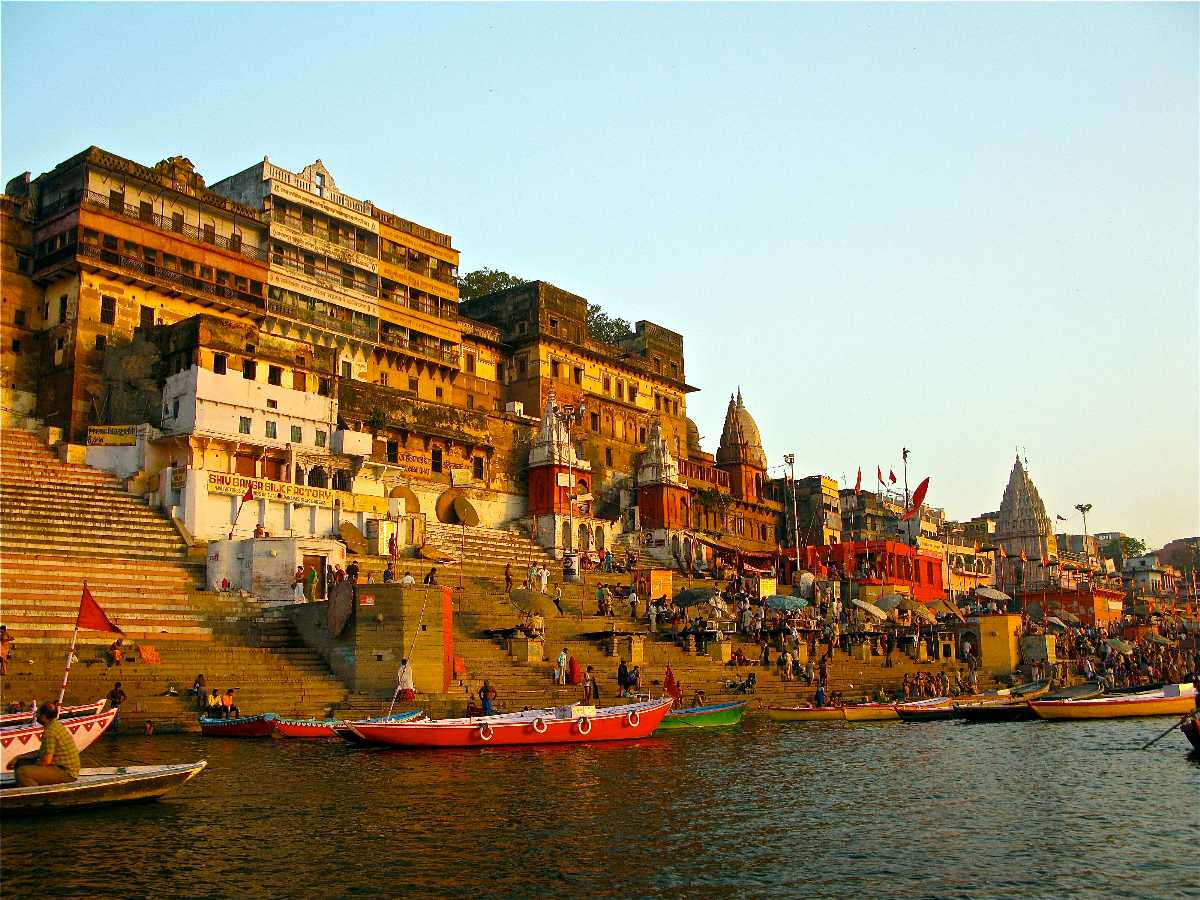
x,y
279,491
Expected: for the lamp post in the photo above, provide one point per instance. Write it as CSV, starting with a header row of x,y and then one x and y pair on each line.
x,y
790,459
1085,508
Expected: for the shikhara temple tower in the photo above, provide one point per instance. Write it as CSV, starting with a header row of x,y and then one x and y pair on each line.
x,y
662,496
741,452
1023,527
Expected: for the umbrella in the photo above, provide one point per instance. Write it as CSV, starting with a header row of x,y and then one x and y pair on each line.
x,y
888,602
870,609
533,602
1119,645
787,604
944,606
1067,616
988,593
1057,622
1159,639
694,596
910,604
925,614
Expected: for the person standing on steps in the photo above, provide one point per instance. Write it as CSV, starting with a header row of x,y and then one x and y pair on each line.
x,y
544,577
558,599
633,603
508,578
560,667
115,698
623,679
298,585
487,696
352,577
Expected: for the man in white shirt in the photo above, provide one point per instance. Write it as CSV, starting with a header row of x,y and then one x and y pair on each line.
x,y
633,602
406,688
408,579
544,576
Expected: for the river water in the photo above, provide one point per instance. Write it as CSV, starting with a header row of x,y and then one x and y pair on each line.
x,y
800,809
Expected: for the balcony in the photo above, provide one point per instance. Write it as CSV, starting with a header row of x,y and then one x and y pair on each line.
x,y
423,348
447,311
101,203
319,276
321,319
422,269
164,278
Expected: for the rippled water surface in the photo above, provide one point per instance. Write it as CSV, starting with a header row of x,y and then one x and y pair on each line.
x,y
803,809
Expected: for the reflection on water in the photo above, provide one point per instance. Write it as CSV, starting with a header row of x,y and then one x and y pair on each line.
x,y
819,809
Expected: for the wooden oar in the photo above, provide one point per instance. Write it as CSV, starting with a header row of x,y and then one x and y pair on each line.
x,y
1168,731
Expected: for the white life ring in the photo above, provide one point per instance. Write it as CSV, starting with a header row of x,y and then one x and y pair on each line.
x,y
585,721
485,732
633,718
539,725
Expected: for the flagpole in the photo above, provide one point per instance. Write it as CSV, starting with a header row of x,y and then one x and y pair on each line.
x,y
62,691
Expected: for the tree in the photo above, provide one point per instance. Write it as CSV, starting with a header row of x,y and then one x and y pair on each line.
x,y
486,281
605,328
1123,548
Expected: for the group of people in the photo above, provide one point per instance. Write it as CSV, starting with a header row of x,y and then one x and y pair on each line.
x,y
928,685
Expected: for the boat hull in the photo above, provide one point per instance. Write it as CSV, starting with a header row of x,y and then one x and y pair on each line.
x,y
806,713
1158,703
84,730
1191,730
716,715
245,727
17,720
97,787
994,712
934,710
327,728
871,712
532,728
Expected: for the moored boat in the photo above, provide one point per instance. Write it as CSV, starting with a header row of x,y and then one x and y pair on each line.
x,y
806,713
561,725
1085,691
995,711
96,787
871,712
1191,730
83,730
325,728
11,720
930,710
715,715
1172,700
242,727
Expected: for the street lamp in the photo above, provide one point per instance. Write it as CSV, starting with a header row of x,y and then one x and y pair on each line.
x,y
1084,508
790,459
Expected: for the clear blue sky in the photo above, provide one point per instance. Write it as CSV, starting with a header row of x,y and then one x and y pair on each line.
x,y
956,228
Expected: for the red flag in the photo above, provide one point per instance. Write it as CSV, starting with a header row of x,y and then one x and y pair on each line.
x,y
1024,558
891,476
249,495
858,483
1045,562
879,475
918,498
671,688
92,617
1061,518
1003,555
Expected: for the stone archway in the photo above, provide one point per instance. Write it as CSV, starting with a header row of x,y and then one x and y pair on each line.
x,y
599,538
317,477
567,537
585,537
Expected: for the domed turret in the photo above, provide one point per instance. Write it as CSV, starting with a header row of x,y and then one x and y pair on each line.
x,y
693,438
740,441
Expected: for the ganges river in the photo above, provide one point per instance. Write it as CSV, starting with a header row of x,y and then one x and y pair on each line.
x,y
941,809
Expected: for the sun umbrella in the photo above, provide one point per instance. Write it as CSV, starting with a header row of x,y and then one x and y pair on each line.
x,y
1158,639
1056,622
870,609
888,602
531,602
694,596
909,603
925,614
1119,645
1067,616
786,604
947,607
988,593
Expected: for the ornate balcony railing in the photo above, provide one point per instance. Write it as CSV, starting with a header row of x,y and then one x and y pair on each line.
x,y
168,277
97,201
321,319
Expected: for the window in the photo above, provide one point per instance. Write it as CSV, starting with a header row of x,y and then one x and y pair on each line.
x,y
62,308
249,369
16,344
383,378
553,326
19,317
393,451
633,392
320,185
435,459
272,404
24,263
477,468
175,409
272,429
412,384
210,234
470,401
145,211
108,310
521,364
177,221
595,421
244,425
299,381
577,375
437,393
297,434
620,389
146,318
347,369
608,456
320,438
470,363
641,435
274,375
522,327
607,384
323,387
219,362
101,342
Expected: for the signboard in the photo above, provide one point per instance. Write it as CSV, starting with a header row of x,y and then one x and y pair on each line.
x,y
366,599
111,435
565,479
280,491
460,477
178,478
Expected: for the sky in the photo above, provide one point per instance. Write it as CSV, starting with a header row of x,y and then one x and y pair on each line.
x,y
961,229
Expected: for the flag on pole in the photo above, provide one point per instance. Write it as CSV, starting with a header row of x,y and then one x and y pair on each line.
x,y
249,495
92,617
1045,562
879,475
1024,558
891,476
858,483
918,498
671,687
1003,555
1060,518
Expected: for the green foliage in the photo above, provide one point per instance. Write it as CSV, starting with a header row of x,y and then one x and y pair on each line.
x,y
377,421
1125,548
486,281
605,328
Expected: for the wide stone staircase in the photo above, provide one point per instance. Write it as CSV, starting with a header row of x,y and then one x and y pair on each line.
x,y
63,525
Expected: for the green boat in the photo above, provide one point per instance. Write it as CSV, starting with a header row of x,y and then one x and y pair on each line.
x,y
716,715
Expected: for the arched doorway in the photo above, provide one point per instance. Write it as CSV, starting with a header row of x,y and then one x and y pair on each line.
x,y
599,538
675,548
585,537
567,543
687,552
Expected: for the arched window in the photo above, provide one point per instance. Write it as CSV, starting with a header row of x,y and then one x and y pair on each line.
x,y
567,542
317,477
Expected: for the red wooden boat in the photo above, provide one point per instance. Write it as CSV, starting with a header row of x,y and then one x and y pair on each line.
x,y
324,728
560,725
243,727
83,730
